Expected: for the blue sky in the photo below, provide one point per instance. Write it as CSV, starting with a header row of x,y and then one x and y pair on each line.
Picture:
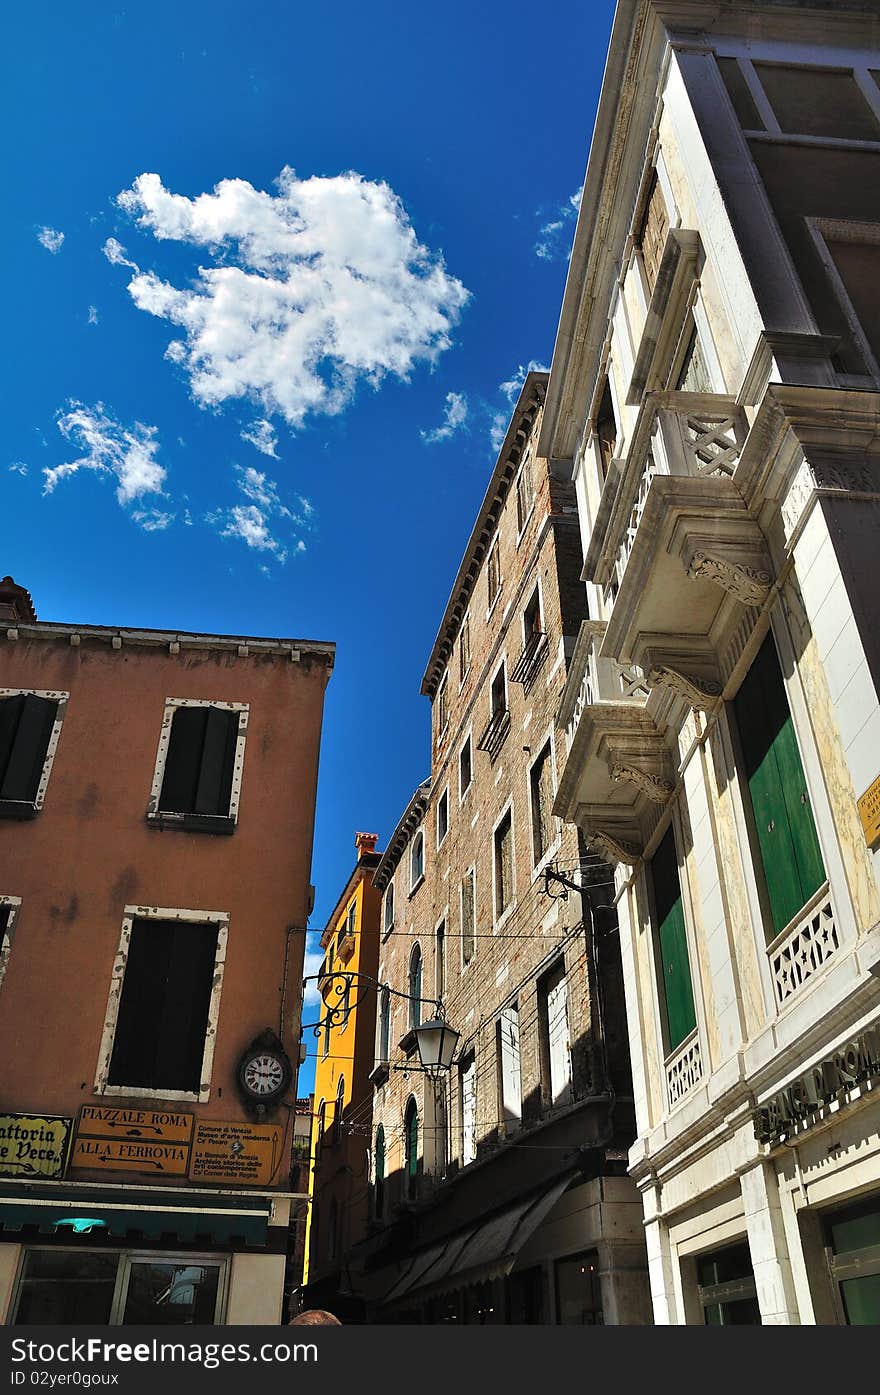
x,y
307,252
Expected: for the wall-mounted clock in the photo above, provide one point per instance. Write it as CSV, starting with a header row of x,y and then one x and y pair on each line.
x,y
264,1072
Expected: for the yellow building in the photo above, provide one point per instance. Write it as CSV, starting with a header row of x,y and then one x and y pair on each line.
x,y
339,1171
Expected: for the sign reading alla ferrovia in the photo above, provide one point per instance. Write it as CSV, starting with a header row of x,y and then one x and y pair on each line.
x,y
806,1101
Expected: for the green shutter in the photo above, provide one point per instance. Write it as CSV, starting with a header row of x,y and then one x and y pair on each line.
x,y
790,853
677,989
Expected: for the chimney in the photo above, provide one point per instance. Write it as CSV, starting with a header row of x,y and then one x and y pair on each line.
x,y
365,843
16,606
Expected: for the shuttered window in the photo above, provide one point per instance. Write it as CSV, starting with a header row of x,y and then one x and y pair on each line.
x,y
163,1010
199,766
784,824
555,1033
415,987
26,722
411,1146
380,1172
440,959
653,232
541,781
676,988
510,1076
468,1096
503,865
468,916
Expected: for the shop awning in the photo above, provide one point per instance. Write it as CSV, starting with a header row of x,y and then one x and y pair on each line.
x,y
483,1251
120,1215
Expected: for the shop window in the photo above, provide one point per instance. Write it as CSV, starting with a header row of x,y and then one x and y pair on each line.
x,y
198,766
503,843
853,1255
411,1148
29,727
442,816
525,1297
468,915
467,1094
579,1291
674,975
171,973
818,102
727,1288
541,799
651,237
379,1188
465,768
98,1289
509,1072
554,1038
789,850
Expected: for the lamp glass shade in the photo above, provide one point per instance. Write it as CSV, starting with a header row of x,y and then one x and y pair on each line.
x,y
436,1041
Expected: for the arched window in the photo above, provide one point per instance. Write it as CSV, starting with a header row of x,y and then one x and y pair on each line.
x,y
379,1195
415,987
333,1230
417,859
440,960
383,1037
337,1118
319,1129
411,1147
389,906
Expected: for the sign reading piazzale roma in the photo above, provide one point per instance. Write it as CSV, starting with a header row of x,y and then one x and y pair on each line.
x,y
34,1145
133,1140
807,1100
246,1155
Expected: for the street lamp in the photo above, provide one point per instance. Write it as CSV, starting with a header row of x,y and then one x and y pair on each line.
x,y
436,1041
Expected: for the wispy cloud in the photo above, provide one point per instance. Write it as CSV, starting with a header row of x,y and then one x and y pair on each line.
x,y
455,415
261,434
51,239
314,957
126,454
265,522
510,390
554,235
311,290
18,467
93,315
116,254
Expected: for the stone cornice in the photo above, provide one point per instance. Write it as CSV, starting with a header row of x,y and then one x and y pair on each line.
x,y
409,821
173,640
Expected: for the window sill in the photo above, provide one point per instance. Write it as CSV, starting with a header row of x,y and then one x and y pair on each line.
x,y
193,823
142,1092
407,1043
379,1074
504,917
464,794
494,602
20,809
387,930
528,518
415,886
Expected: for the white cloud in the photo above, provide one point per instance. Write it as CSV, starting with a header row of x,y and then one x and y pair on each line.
x,y
310,290
115,252
19,467
511,390
93,315
262,435
265,523
454,416
109,448
153,520
314,957
51,239
554,236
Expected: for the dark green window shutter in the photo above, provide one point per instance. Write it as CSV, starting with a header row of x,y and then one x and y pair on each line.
x,y
200,761
411,1129
675,980
790,853
26,723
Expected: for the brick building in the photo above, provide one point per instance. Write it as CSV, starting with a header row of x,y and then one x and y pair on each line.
x,y
499,1192
157,794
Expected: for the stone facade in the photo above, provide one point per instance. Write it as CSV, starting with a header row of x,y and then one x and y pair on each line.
x,y
715,393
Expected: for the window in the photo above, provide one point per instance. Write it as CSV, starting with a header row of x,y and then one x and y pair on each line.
x,y
417,860
498,699
379,1192
198,766
30,724
605,429
503,866
468,915
534,643
465,768
541,792
579,1291
328,1029
693,373
320,1123
853,1256
442,816
554,1035
343,1007
788,846
411,1147
98,1288
498,725
493,573
384,1033
509,1073
337,1115
727,1289
525,494
467,1093
415,987
172,968
389,907
8,911
442,706
674,976
651,236
818,102
440,960
464,649
351,921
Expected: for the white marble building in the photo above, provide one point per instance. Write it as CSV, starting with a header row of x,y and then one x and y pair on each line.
x,y
715,388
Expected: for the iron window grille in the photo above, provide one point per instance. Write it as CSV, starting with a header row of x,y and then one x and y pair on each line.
x,y
529,661
495,733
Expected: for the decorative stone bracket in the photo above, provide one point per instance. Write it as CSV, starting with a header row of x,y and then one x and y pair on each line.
x,y
614,848
749,584
699,691
657,788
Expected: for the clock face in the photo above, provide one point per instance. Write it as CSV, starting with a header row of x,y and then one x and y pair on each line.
x,y
264,1074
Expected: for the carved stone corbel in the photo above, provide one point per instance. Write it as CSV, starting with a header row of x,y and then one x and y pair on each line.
x,y
698,691
655,787
615,849
750,585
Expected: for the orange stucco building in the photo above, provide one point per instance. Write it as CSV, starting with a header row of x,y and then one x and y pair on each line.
x,y
157,795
